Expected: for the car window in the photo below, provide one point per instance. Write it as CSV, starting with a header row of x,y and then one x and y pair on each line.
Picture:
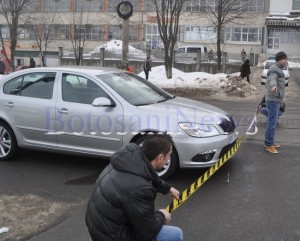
x,y
193,50
79,89
134,89
180,50
36,85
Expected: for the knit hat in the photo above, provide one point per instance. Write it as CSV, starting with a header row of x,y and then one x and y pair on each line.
x,y
280,55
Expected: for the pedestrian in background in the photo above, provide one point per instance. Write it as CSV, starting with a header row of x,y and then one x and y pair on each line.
x,y
32,63
275,85
210,55
245,70
2,67
243,55
147,67
122,204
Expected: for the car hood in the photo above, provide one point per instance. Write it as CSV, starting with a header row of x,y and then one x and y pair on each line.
x,y
186,110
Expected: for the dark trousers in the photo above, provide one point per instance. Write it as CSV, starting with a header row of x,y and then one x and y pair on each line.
x,y
147,74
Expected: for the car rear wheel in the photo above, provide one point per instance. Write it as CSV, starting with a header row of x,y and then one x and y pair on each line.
x,y
8,143
170,167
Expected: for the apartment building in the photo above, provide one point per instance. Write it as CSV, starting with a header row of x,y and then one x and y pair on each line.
x,y
283,27
267,30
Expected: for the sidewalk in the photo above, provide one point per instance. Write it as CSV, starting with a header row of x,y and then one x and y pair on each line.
x,y
71,229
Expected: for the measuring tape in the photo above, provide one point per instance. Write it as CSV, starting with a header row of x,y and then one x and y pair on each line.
x,y
201,180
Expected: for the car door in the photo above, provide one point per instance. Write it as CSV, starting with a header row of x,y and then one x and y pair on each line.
x,y
82,127
29,103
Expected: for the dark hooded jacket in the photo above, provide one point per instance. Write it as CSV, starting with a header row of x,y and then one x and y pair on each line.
x,y
122,204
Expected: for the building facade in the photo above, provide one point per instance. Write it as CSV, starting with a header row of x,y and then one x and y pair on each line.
x,y
272,25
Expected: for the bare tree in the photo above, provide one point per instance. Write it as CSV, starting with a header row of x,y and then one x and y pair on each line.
x,y
168,13
14,12
42,25
79,22
223,12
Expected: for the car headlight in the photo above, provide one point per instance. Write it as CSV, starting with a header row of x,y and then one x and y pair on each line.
x,y
199,130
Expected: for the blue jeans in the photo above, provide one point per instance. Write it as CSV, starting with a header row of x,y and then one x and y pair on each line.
x,y
169,233
273,110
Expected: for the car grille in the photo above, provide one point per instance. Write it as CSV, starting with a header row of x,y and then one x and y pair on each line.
x,y
227,124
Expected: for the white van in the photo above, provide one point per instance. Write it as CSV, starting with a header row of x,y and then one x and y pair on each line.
x,y
191,49
266,67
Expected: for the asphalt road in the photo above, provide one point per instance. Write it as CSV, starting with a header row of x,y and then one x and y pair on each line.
x,y
259,202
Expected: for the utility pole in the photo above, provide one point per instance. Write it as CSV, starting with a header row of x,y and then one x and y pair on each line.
x,y
125,10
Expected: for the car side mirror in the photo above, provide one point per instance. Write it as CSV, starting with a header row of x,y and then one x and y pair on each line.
x,y
102,102
262,67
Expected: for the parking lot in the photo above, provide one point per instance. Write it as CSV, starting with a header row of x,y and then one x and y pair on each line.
x,y
252,197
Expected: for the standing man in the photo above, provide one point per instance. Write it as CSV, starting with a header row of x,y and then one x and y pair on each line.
x,y
122,204
147,67
32,63
2,67
274,98
243,55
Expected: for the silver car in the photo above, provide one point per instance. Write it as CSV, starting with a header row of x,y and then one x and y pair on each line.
x,y
97,111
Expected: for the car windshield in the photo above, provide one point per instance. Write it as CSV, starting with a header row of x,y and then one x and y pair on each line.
x,y
134,89
269,64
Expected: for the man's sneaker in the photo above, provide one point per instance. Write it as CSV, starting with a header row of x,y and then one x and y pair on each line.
x,y
276,145
272,149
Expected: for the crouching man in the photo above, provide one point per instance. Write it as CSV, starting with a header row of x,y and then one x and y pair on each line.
x,y
122,204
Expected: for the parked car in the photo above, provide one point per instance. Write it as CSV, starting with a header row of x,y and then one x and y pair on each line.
x,y
85,111
191,49
188,54
266,67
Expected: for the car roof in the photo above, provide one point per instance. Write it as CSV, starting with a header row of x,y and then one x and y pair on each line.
x,y
191,46
89,70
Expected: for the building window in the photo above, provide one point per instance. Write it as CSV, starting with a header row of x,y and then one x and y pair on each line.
x,y
114,32
5,32
296,4
286,36
256,6
212,5
152,36
32,6
57,6
201,5
192,6
28,32
89,5
56,32
133,33
243,34
90,32
197,33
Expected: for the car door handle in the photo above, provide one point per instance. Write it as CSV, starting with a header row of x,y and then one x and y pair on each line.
x,y
10,104
63,110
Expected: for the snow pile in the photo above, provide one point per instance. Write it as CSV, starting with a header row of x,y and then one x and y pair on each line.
x,y
115,46
214,84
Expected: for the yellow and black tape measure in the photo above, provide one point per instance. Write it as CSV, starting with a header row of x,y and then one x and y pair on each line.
x,y
197,184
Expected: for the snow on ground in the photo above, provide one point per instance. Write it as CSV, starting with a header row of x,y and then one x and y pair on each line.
x,y
187,80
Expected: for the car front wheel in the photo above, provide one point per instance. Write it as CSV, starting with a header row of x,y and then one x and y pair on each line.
x,y
170,167
8,143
